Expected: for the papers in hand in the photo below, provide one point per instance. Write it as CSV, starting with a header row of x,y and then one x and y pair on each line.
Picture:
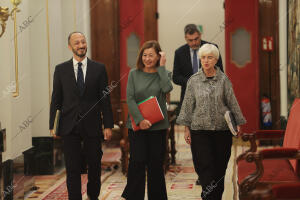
x,y
231,122
56,122
150,110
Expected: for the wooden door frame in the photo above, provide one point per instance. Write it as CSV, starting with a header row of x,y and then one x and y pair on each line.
x,y
150,20
269,61
105,45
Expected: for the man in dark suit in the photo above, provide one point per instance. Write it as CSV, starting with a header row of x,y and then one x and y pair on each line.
x,y
186,62
79,92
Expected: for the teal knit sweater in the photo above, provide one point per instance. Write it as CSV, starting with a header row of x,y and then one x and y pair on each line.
x,y
140,86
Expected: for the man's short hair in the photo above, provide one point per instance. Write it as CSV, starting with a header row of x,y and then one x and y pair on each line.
x,y
191,29
70,35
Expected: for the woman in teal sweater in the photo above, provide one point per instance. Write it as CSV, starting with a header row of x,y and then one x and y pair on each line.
x,y
147,146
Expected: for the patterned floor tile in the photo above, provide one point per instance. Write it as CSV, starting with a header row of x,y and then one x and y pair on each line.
x,y
180,180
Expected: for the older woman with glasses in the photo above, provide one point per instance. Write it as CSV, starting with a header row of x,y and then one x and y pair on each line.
x,y
208,96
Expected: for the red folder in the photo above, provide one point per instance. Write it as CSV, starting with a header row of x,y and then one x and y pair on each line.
x,y
150,110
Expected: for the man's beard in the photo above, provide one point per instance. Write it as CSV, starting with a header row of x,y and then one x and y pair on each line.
x,y
195,47
79,55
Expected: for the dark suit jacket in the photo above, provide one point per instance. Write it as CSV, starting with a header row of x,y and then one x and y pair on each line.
x,y
86,108
183,68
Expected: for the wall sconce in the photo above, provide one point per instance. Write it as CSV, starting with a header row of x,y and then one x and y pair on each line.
x,y
4,15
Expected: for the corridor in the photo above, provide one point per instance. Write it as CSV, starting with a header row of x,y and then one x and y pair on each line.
x,y
180,178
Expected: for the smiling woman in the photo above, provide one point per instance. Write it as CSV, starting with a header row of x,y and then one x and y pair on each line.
x,y
150,59
147,145
149,56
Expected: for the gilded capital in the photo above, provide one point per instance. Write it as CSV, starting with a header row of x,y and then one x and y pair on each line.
x,y
15,2
4,14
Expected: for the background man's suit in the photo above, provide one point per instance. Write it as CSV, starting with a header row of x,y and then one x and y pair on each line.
x,y
183,68
81,120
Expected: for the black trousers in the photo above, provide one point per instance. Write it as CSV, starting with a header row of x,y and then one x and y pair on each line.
x,y
80,149
211,152
147,153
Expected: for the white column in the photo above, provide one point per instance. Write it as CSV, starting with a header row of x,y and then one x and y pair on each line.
x,y
83,21
283,18
39,68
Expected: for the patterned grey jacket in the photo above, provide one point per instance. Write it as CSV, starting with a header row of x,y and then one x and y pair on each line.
x,y
205,102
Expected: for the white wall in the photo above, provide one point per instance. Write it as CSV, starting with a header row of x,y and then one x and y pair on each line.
x,y
175,14
39,67
6,83
62,22
33,103
15,111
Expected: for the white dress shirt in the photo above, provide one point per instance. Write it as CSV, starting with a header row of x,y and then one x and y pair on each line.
x,y
83,66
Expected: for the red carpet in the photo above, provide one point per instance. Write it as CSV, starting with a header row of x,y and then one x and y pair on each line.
x,y
49,191
61,191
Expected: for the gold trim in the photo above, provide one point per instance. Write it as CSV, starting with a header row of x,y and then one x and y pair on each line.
x,y
14,16
4,14
48,43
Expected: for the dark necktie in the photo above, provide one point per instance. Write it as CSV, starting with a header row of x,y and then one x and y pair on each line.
x,y
195,62
80,79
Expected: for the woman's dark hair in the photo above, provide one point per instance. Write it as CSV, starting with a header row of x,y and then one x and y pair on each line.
x,y
147,45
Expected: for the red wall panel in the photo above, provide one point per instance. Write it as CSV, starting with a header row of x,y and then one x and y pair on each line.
x,y
131,21
245,80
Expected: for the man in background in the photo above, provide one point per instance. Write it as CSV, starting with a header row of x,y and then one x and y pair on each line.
x,y
186,63
79,86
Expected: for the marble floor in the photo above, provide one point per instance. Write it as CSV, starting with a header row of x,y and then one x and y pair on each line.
x,y
180,178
